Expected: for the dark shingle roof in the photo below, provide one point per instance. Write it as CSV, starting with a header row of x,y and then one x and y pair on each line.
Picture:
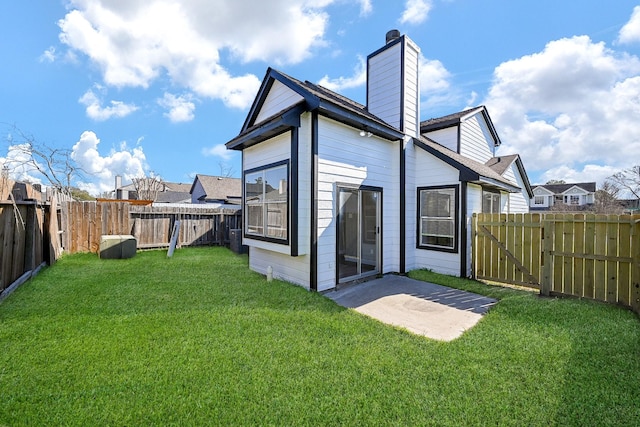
x,y
218,187
501,164
466,164
315,98
561,188
449,119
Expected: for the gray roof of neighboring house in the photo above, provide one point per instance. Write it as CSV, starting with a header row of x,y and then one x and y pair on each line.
x,y
218,187
179,187
170,196
561,188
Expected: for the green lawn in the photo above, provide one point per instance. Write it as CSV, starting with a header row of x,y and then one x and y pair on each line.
x,y
198,339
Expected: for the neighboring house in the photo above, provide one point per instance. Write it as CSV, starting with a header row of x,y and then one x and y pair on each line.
x,y
216,189
174,193
335,191
578,196
171,192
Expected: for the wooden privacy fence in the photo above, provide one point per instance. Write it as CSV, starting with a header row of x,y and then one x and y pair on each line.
x,y
84,222
583,255
27,241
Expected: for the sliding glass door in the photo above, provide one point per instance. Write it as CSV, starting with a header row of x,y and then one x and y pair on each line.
x,y
358,233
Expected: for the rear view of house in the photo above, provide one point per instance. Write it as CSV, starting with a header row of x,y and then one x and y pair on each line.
x,y
335,191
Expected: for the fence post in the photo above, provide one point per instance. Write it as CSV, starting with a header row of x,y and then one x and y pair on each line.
x,y
547,271
30,238
474,244
635,273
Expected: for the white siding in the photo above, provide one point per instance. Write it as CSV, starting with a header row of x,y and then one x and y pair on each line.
x,y
518,202
279,98
346,157
476,141
429,171
474,205
290,269
384,85
447,137
411,90
304,184
274,150
263,254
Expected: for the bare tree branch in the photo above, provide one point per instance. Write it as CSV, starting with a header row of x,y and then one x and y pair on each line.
x,y
628,179
54,165
148,187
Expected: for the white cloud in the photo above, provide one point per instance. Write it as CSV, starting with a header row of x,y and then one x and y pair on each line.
x,y
588,173
415,11
219,150
180,108
434,77
96,111
630,32
571,109
48,55
359,78
17,163
135,42
365,7
101,170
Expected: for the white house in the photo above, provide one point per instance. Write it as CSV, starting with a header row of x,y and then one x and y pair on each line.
x,y
577,196
335,191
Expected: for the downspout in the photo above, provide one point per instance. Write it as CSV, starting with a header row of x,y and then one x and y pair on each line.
x,y
403,208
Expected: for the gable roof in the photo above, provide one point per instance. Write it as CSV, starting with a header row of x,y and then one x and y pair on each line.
x,y
315,97
501,165
218,187
455,119
470,170
589,187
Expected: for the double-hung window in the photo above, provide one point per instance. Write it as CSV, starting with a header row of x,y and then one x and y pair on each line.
x,y
490,202
438,218
266,203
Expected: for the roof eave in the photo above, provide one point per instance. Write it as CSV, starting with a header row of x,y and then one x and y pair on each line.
x,y
278,124
359,121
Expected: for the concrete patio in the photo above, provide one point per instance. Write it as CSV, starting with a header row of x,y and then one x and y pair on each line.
x,y
435,311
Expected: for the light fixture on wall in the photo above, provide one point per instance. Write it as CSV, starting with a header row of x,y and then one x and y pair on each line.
x,y
363,133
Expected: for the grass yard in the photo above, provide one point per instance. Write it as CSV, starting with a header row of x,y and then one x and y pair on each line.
x,y
198,339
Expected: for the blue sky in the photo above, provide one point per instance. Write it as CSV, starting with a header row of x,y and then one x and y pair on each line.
x,y
158,86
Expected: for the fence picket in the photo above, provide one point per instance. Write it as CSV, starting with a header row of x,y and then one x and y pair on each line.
x,y
578,262
600,276
589,264
624,269
590,256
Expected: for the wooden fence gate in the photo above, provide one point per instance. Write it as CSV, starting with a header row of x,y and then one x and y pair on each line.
x,y
583,255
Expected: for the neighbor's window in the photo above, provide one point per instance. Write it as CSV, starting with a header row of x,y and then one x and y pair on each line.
x,y
538,200
437,221
574,200
490,202
267,202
